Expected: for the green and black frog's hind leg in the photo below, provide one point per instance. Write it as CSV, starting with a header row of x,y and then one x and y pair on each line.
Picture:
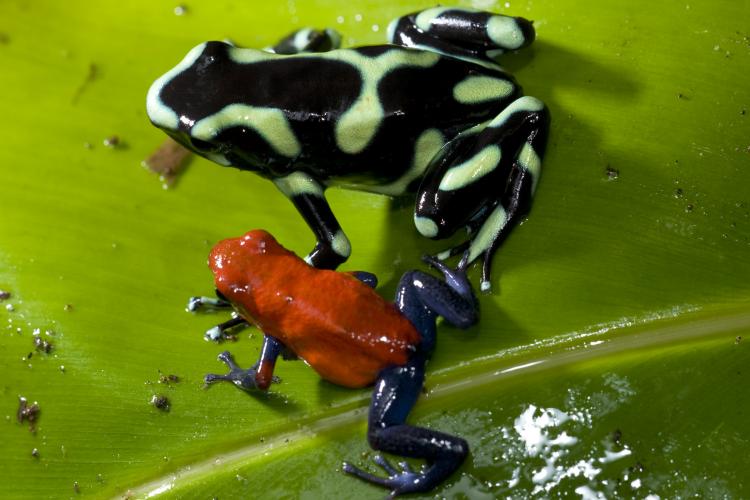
x,y
485,180
461,32
421,297
307,40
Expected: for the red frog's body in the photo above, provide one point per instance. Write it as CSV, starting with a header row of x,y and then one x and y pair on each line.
x,y
351,336
340,326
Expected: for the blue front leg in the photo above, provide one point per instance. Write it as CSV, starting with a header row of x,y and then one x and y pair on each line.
x,y
421,298
259,376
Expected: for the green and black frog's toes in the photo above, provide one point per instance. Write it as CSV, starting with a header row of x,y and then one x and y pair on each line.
x,y
463,33
485,180
307,194
307,40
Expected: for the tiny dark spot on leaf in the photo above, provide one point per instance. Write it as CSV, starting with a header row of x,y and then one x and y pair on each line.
x,y
160,402
612,173
112,141
28,412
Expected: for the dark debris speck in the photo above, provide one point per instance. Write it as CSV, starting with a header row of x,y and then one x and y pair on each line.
x,y
168,379
28,412
42,345
4,295
612,173
160,402
112,141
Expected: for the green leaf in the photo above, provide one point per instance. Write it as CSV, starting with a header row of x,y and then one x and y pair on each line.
x,y
618,307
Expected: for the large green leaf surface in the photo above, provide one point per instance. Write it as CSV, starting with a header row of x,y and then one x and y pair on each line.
x,y
608,359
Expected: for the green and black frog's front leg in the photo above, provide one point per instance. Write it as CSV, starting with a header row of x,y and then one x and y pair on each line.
x,y
484,180
464,33
421,297
307,195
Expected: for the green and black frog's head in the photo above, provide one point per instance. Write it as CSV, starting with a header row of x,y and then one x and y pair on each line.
x,y
191,100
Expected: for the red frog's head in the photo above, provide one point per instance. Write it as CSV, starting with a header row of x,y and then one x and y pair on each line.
x,y
242,265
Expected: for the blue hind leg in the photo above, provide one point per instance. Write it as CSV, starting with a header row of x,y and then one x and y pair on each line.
x,y
396,391
421,298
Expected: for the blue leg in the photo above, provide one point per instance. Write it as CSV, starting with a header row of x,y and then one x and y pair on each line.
x,y
396,391
259,376
368,279
421,298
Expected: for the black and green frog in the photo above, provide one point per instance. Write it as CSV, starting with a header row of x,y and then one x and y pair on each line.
x,y
431,112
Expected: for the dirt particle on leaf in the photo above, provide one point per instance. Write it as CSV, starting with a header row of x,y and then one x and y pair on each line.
x,y
180,10
689,207
68,307
4,295
42,345
76,487
168,379
35,453
738,339
611,173
112,142
168,162
28,412
160,402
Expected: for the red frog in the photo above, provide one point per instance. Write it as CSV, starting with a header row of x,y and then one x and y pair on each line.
x,y
351,336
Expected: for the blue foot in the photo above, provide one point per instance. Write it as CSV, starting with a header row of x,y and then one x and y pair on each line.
x,y
400,480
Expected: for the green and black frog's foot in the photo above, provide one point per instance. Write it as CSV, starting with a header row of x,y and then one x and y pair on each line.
x,y
397,481
245,379
307,40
